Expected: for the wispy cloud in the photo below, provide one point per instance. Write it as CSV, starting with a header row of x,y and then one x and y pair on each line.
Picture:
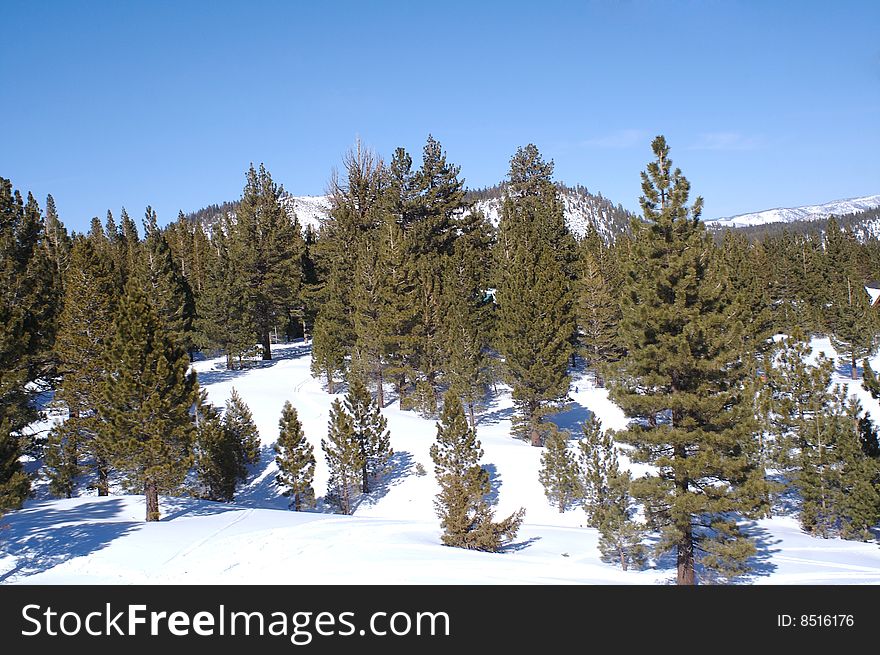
x,y
726,141
619,139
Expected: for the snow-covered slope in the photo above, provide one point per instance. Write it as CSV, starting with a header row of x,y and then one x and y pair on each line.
x,y
393,536
581,210
807,213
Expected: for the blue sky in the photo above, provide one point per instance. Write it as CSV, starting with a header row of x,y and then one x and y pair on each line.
x,y
111,104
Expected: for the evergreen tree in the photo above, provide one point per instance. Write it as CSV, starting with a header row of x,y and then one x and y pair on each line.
x,y
607,498
682,378
147,395
345,458
28,305
598,308
295,458
853,323
870,381
370,432
219,460
267,246
225,319
84,334
397,310
57,242
461,505
239,421
332,336
859,466
354,215
559,471
536,323
432,228
166,286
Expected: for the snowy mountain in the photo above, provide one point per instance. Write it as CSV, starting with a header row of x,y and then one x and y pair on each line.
x,y
795,214
582,209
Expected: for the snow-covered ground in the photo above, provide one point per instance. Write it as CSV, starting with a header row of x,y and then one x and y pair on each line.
x,y
393,536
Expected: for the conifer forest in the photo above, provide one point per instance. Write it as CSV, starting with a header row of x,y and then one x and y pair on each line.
x,y
677,393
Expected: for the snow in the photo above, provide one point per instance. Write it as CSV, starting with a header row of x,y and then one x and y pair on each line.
x,y
393,536
807,213
580,210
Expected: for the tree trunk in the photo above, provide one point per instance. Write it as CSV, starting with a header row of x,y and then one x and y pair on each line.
x,y
230,362
471,416
151,493
380,388
297,503
329,382
622,560
535,437
535,434
267,345
854,373
103,478
685,559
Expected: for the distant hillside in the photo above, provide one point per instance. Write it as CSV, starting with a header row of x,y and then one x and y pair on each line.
x,y
582,209
798,214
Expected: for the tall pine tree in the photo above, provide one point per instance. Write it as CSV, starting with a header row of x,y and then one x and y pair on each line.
x,y
147,396
682,379
536,321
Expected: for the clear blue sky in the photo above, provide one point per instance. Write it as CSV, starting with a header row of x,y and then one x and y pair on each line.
x,y
764,104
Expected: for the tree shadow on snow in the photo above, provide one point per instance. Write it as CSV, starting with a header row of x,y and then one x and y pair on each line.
x,y
760,564
515,546
178,507
260,490
491,418
401,465
38,537
494,484
571,418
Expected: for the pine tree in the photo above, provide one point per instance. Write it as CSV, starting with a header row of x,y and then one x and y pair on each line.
x,y
370,432
57,242
397,310
465,515
857,452
84,333
239,421
853,323
870,381
468,312
28,302
295,458
345,458
267,246
592,446
682,378
219,460
355,213
332,336
167,288
598,308
559,471
224,317
536,323
431,226
607,498
147,395
368,361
